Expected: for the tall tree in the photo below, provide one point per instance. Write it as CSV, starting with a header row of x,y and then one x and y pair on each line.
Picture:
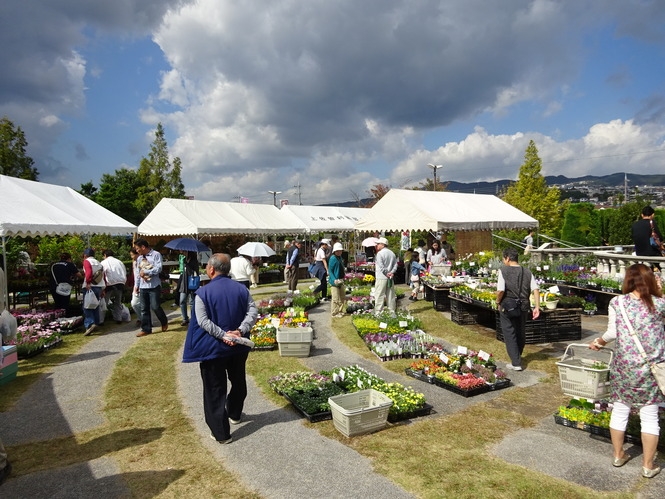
x,y
531,194
117,193
159,178
14,161
581,225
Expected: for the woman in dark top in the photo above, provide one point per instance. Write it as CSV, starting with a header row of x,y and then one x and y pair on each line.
x,y
62,271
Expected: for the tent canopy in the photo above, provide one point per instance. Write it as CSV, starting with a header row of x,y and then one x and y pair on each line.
x,y
177,217
29,208
326,218
402,209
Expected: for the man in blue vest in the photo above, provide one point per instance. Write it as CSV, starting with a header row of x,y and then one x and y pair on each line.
x,y
224,314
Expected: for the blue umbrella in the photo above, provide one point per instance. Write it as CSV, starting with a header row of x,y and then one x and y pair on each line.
x,y
187,244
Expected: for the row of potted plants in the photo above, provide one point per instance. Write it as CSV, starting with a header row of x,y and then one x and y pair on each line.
x,y
466,372
595,418
391,335
309,392
486,295
37,331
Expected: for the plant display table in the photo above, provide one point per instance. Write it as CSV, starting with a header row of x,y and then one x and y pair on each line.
x,y
468,312
560,324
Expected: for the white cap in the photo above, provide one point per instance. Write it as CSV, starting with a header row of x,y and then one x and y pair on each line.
x,y
338,247
382,240
325,241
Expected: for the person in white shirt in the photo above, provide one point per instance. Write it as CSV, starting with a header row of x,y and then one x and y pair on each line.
x,y
385,263
116,278
242,269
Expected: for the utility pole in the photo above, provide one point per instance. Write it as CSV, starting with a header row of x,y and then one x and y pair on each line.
x,y
274,197
434,169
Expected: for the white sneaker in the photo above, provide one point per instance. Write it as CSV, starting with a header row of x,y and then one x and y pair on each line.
x,y
514,368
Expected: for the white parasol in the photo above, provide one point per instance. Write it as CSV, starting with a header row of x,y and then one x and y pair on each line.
x,y
255,249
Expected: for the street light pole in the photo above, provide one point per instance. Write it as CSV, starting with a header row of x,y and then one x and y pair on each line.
x,y
434,169
274,197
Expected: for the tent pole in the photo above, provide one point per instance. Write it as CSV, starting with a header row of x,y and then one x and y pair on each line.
x,y
5,287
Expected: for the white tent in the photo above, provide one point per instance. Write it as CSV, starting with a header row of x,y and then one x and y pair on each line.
x,y
326,218
402,209
179,217
30,208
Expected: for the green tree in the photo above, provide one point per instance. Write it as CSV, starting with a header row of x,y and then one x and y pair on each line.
x,y
619,227
88,190
158,177
531,194
14,161
117,193
581,225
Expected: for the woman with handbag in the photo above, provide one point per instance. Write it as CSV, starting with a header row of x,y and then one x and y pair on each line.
x,y
188,283
635,323
61,282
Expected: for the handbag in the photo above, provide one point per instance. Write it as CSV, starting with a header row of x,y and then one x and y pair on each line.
x,y
657,368
512,307
415,278
193,282
62,288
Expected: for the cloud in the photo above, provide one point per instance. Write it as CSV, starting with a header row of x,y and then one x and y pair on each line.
x,y
336,96
607,148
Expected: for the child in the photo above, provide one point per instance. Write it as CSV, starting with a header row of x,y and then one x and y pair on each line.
x,y
416,269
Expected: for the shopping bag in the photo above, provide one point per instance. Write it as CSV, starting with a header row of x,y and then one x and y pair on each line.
x,y
193,282
90,300
125,316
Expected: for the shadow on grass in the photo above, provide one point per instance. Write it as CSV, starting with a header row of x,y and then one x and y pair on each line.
x,y
56,453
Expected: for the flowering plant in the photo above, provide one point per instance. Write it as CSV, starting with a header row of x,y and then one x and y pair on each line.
x,y
466,381
368,279
37,331
263,333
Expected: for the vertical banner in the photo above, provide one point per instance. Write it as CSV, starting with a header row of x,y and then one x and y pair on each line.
x,y
406,240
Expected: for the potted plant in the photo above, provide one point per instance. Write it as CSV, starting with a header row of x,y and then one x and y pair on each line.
x,y
589,307
550,300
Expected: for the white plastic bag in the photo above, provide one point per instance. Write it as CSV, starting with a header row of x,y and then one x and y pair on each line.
x,y
90,300
102,310
125,316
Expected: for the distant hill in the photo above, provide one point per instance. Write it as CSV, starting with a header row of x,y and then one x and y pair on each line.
x,y
613,180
